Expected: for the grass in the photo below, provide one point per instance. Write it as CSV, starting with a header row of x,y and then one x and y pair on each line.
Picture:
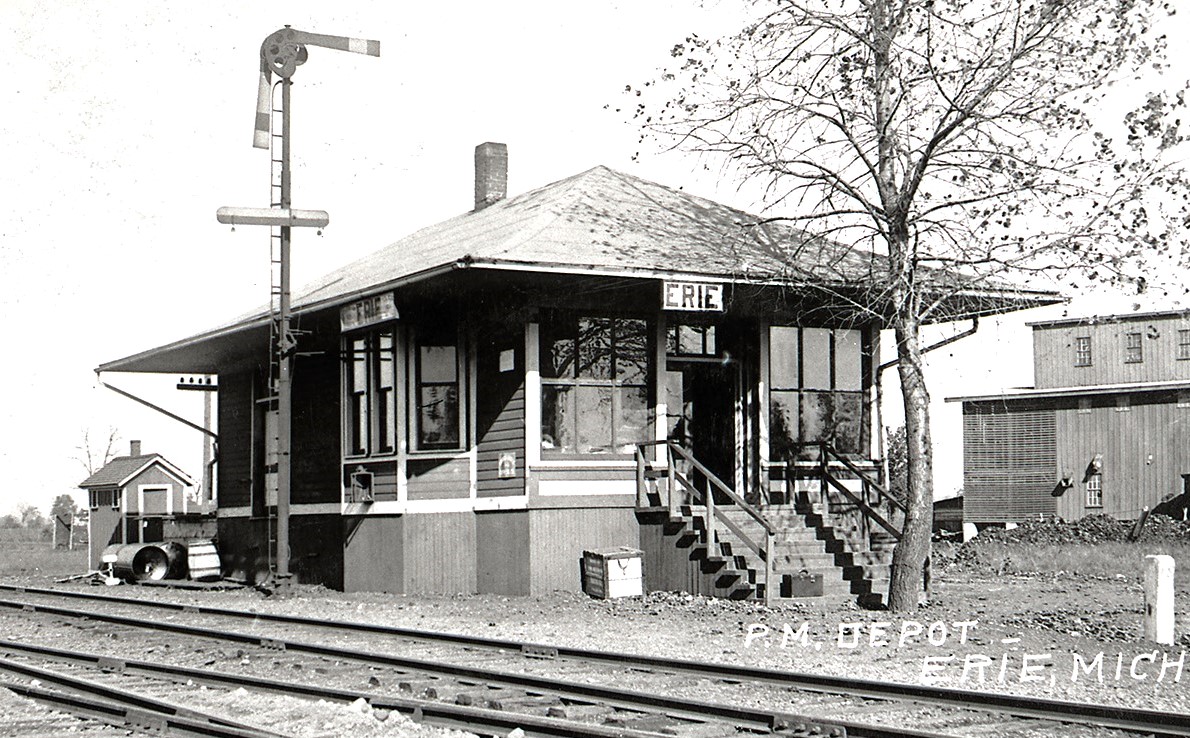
x,y
41,560
1107,559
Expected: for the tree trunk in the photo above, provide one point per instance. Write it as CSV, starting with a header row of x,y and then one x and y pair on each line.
x,y
907,588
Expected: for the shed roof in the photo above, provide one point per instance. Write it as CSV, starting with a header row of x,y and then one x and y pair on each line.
x,y
123,469
597,222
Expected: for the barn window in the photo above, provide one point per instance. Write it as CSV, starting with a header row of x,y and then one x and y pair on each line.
x,y
1133,348
1183,343
595,375
1095,490
105,498
816,380
1082,351
438,418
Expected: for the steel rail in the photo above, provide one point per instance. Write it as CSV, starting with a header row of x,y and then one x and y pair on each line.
x,y
88,698
752,718
1158,723
445,715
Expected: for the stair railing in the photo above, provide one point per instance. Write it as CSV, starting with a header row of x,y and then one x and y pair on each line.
x,y
827,455
713,514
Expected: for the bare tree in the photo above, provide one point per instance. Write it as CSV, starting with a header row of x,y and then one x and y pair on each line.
x,y
94,453
950,142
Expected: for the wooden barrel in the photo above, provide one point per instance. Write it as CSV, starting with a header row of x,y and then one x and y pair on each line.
x,y
203,559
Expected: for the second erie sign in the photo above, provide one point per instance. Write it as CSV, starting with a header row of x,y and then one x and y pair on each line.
x,y
700,296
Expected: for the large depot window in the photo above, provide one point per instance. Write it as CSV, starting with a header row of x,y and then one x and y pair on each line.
x,y
816,380
595,375
434,371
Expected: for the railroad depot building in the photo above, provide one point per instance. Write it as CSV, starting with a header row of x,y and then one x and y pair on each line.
x,y
468,402
1106,429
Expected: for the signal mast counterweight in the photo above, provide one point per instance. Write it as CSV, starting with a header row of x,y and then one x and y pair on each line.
x,y
282,53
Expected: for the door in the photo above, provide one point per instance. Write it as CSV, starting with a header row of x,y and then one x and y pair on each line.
x,y
701,401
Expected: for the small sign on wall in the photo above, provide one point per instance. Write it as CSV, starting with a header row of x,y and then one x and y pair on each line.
x,y
507,360
368,311
692,296
506,468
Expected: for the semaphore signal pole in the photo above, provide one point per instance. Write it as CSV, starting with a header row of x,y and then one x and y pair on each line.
x,y
282,53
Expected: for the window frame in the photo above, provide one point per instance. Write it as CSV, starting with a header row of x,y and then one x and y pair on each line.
x,y
1134,348
1183,344
804,389
421,337
364,409
572,320
1093,487
1082,351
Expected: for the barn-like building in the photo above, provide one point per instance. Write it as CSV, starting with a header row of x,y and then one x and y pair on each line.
x,y
1105,430
483,400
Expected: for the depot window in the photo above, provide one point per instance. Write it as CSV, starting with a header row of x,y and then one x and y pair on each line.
x,y
595,378
437,372
1133,349
371,393
1082,351
816,380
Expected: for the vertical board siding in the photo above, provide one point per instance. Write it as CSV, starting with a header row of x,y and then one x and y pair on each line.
x,y
500,411
502,552
104,529
440,553
1009,463
559,537
234,469
1144,453
1053,353
374,554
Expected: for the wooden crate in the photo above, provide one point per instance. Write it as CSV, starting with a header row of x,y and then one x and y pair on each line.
x,y
613,572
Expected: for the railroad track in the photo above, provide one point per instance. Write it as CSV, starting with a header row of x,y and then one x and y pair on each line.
x,y
519,682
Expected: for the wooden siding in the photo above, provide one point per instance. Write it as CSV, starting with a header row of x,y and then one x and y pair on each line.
x,y
104,528
559,537
1009,462
154,476
1053,352
234,469
502,552
438,479
440,553
500,415
1145,451
374,554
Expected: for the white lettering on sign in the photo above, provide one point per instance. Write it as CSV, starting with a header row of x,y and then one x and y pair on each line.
x,y
370,310
698,296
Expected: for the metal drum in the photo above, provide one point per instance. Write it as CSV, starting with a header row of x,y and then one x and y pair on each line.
x,y
203,559
136,562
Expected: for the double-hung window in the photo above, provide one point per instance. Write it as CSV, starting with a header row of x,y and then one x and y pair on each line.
x,y
437,391
371,393
1133,348
595,377
1082,351
1183,344
1095,490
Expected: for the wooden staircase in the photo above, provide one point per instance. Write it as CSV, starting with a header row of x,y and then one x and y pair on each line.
x,y
733,541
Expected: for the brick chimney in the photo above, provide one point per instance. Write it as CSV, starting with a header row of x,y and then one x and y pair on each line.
x,y
135,448
491,174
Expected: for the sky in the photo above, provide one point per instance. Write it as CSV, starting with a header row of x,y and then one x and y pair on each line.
x,y
125,125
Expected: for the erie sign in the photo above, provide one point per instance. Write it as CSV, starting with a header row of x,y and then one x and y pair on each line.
x,y
697,296
370,310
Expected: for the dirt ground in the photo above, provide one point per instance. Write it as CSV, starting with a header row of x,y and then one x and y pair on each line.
x,y
1057,636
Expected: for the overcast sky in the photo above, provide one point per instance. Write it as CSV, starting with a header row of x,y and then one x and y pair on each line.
x,y
126,124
